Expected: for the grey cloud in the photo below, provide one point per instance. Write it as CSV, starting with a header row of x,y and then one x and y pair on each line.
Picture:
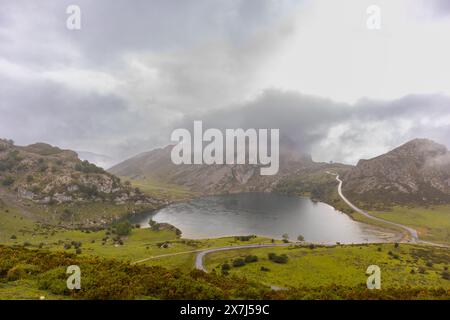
x,y
49,112
197,60
111,28
334,131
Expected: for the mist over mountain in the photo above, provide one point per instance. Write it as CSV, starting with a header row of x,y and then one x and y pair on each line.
x,y
416,172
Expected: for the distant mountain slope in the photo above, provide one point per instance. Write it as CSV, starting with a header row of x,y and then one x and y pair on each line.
x,y
214,179
416,172
50,177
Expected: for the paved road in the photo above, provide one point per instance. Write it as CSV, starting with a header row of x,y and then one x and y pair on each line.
x,y
411,231
199,258
202,252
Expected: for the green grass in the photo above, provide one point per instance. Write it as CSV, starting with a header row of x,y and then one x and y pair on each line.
x,y
432,223
24,290
13,223
340,265
140,244
161,190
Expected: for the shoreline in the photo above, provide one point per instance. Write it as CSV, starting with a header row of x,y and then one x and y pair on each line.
x,y
386,235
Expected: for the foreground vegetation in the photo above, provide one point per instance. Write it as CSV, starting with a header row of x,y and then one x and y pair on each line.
x,y
402,265
124,261
32,274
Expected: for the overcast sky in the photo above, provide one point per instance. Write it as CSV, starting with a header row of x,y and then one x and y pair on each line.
x,y
138,69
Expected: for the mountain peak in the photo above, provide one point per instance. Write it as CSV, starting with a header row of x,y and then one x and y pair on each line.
x,y
415,171
423,145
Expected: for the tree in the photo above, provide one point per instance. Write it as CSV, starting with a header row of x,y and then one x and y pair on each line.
x,y
300,238
123,228
285,237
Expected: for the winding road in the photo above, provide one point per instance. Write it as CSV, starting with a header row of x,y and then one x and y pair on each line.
x,y
411,231
199,258
201,253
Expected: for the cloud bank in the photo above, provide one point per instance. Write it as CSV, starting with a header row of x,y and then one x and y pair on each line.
x,y
134,72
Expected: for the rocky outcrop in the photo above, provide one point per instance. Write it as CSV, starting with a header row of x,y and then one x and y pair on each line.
x,y
416,172
48,175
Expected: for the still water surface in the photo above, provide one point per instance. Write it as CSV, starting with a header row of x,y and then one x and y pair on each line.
x,y
263,214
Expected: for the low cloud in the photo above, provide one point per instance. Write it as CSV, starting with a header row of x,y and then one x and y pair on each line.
x,y
339,132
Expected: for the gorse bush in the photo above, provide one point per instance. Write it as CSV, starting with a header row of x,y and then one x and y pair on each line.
x,y
87,167
239,262
250,259
278,258
111,279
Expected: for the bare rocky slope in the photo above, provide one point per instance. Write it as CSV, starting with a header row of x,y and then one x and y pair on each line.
x,y
217,179
417,172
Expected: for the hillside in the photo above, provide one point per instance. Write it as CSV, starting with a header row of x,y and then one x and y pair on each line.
x,y
40,177
417,172
215,179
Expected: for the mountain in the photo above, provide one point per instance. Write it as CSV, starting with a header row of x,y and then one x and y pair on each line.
x,y
416,172
216,179
50,179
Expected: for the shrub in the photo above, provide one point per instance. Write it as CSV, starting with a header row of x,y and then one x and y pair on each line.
x,y
239,262
8,181
123,228
21,271
245,238
225,267
13,237
87,167
54,281
264,269
250,259
278,258
445,275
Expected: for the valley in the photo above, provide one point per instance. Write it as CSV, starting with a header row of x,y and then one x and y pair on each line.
x,y
75,211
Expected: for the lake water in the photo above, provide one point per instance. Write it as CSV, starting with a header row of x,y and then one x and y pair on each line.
x,y
263,214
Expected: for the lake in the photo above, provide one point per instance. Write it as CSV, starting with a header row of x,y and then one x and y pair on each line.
x,y
264,214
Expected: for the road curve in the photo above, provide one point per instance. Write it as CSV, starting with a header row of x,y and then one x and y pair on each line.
x,y
412,232
199,258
